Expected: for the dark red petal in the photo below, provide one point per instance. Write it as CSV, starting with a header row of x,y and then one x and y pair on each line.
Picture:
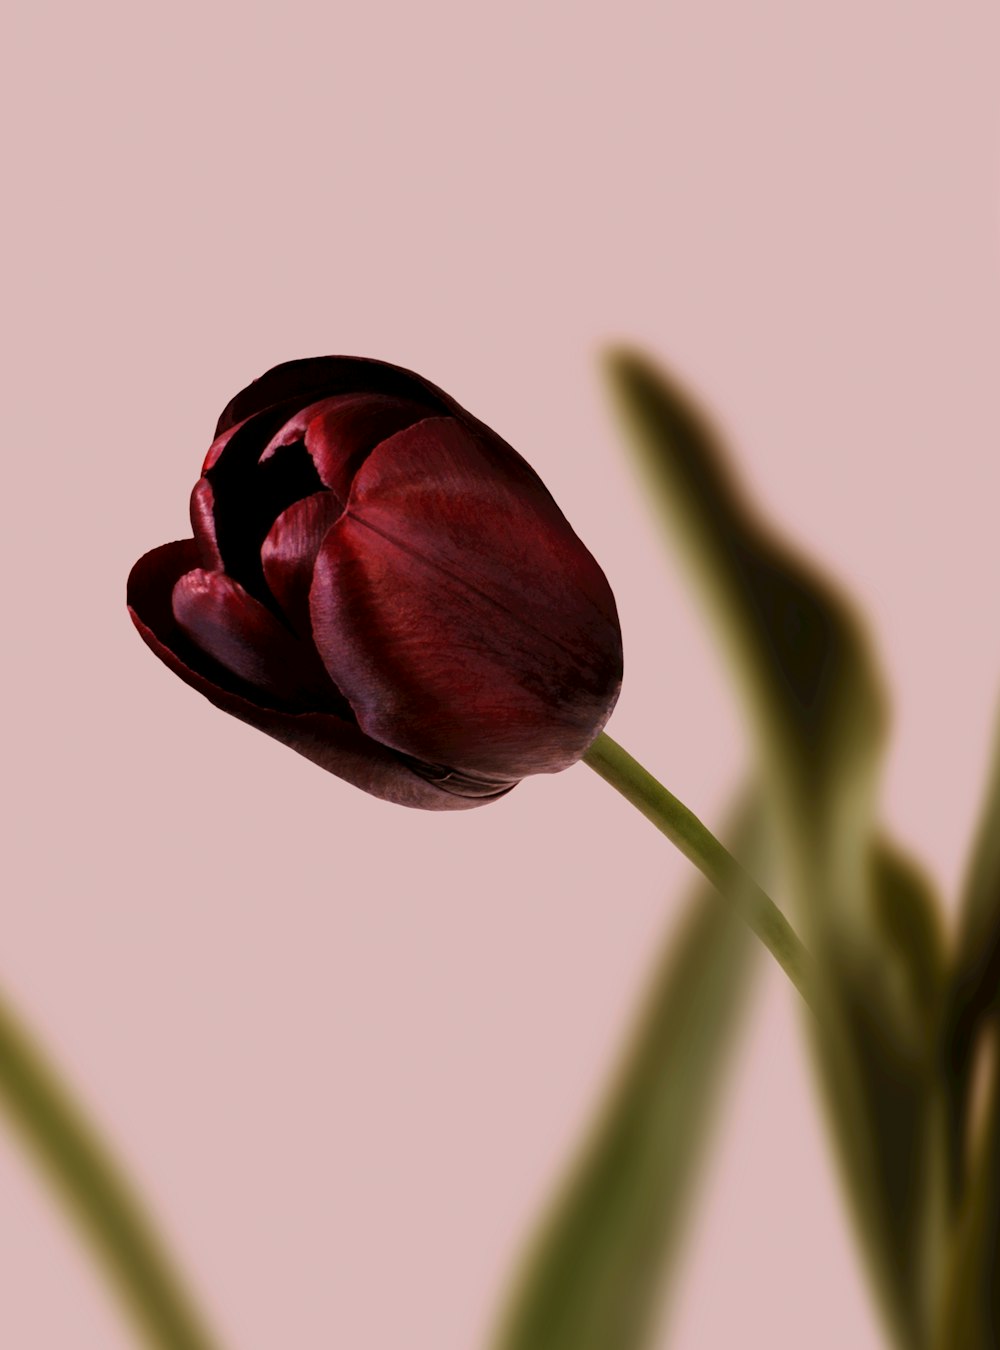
x,y
217,447
289,552
240,634
458,612
337,746
296,384
340,433
319,377
203,524
248,495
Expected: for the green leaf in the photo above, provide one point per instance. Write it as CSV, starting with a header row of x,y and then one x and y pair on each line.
x,y
596,1274
96,1194
908,914
971,1306
974,981
971,1037
816,703
801,655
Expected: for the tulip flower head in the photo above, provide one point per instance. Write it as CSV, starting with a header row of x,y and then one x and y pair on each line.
x,y
379,581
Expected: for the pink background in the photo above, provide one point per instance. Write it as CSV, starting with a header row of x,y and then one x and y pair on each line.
x,y
343,1047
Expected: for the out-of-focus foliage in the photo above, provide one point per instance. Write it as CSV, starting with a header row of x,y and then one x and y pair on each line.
x,y
971,1039
96,1194
970,1311
803,665
597,1273
974,987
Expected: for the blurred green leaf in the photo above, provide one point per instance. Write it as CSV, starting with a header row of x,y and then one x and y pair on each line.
x,y
974,981
597,1273
908,913
971,1305
802,658
96,1194
819,713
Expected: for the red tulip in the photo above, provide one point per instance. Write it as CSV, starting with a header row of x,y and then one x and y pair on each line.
x,y
379,581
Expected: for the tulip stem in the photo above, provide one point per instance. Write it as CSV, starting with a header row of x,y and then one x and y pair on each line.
x,y
683,828
96,1194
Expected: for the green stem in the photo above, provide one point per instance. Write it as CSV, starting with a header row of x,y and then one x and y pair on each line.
x,y
97,1195
672,818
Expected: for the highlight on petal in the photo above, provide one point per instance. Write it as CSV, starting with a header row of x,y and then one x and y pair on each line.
x,y
238,632
215,450
346,431
203,525
458,612
341,432
336,745
293,430
248,495
289,553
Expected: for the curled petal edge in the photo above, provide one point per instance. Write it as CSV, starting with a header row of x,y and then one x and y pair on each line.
x,y
337,746
315,378
296,384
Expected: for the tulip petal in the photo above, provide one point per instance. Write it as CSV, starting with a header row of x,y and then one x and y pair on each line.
x,y
218,445
320,377
248,495
340,433
289,552
458,612
337,746
203,524
243,636
342,436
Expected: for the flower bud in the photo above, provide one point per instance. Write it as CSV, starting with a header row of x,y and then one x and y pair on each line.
x,y
379,581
